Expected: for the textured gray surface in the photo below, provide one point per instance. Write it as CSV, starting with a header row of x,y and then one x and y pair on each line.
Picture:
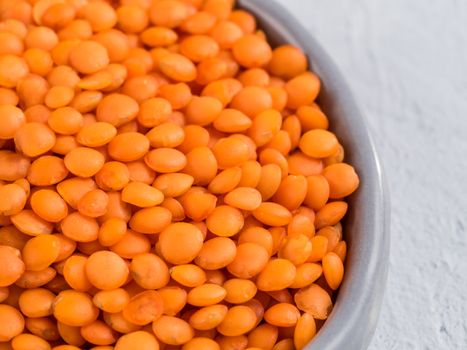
x,y
406,62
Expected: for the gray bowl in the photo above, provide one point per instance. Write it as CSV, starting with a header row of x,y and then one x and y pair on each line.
x,y
353,320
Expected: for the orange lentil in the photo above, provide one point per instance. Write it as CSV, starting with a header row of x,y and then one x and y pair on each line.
x,y
239,291
305,330
174,299
49,205
12,199
195,136
265,126
188,275
12,69
232,121
117,109
46,171
14,265
154,111
89,57
317,192
12,44
333,270
207,171
201,343
165,160
180,243
58,15
141,87
211,69
306,274
318,143
278,274
116,208
252,100
132,18
301,164
282,315
142,340
226,180
34,139
311,117
230,152
272,214
118,323
111,300
11,236
249,261
330,214
172,330
106,270
34,279
225,90
269,181
128,146
8,97
251,174
65,120
251,51
220,8
199,47
273,156
100,15
143,308
98,333
79,227
287,62
342,180
41,37
199,23
70,334
319,248
31,224
43,327
179,95
263,337
74,308
151,220
206,294
244,20
202,110
302,89
225,221
166,135
140,172
314,300
63,76
168,13
296,249
208,317
341,250
216,253
84,162
238,321
71,190
113,176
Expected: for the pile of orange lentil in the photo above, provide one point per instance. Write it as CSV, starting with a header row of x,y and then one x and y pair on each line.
x,y
167,180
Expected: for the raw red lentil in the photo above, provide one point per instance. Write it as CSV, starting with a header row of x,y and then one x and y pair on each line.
x,y
167,180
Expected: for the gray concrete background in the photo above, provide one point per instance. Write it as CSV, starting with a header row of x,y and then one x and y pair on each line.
x,y
406,62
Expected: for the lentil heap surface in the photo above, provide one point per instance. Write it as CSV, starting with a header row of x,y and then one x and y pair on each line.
x,y
167,180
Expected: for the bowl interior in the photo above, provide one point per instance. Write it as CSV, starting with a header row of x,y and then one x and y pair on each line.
x,y
353,319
